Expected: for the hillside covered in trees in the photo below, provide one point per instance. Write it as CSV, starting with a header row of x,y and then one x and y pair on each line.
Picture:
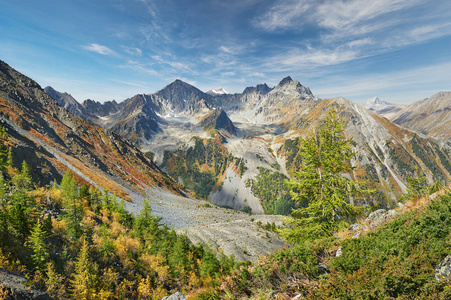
x,y
78,242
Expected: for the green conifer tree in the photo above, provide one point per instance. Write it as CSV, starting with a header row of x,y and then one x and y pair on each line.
x,y
319,182
9,159
69,191
38,246
25,171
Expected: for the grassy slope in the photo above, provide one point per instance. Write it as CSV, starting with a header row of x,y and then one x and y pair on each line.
x,y
396,261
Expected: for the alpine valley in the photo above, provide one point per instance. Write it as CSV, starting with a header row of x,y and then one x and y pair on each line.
x,y
236,150
233,150
213,167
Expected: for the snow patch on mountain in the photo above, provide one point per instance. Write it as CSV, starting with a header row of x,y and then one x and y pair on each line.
x,y
218,91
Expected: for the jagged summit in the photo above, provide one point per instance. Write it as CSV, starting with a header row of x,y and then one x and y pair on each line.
x,y
177,85
101,109
292,89
383,108
68,102
259,89
285,81
375,103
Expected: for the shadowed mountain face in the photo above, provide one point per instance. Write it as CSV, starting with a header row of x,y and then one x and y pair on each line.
x,y
101,109
218,119
68,102
52,140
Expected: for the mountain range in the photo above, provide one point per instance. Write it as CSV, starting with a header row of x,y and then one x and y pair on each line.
x,y
223,147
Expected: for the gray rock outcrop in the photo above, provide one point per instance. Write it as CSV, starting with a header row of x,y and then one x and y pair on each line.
x,y
443,270
356,227
13,285
356,235
175,296
380,216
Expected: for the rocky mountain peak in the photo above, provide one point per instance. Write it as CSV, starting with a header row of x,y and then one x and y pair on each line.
x,y
285,81
179,88
259,89
375,104
292,88
218,119
101,109
68,102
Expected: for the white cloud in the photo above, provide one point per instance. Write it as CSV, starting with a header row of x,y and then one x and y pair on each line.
x,y
133,50
360,42
340,15
435,78
284,15
99,49
177,65
140,85
330,14
226,49
296,59
145,68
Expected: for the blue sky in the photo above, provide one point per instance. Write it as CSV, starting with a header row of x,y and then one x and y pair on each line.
x,y
398,50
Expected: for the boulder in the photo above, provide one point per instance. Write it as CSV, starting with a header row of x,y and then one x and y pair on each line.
x,y
356,227
380,216
356,235
175,296
13,286
443,270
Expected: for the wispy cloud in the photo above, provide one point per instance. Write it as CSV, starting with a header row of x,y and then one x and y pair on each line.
x,y
176,65
140,85
309,59
341,15
133,50
284,15
329,14
141,67
346,30
99,49
150,5
413,79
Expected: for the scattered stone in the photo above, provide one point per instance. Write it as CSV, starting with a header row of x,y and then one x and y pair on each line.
x,y
432,197
356,226
322,268
339,252
401,205
175,296
13,285
297,297
443,270
356,235
380,216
